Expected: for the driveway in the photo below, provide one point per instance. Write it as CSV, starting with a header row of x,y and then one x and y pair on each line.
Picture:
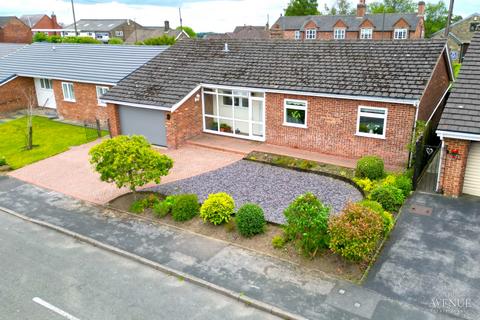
x,y
433,256
273,188
72,174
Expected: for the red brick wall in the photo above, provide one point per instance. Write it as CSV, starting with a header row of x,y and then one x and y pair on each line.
x,y
453,169
12,94
332,125
114,119
15,31
435,89
47,23
85,107
185,122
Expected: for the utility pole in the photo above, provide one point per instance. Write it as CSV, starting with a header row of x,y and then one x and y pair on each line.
x,y
450,10
74,19
180,14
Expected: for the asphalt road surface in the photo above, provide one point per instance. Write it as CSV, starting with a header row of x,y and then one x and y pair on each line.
x,y
47,275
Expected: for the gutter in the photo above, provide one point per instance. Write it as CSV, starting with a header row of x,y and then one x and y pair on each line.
x,y
458,135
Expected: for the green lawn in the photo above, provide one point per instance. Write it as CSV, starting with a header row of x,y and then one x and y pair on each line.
x,y
49,138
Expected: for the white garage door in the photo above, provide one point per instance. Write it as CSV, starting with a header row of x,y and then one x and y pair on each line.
x,y
146,122
471,185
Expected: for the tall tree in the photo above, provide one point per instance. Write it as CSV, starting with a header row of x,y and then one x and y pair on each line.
x,y
343,7
391,6
436,15
189,31
302,8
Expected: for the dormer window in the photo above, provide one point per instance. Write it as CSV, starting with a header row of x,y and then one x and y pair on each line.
x,y
311,34
339,33
366,33
297,35
400,34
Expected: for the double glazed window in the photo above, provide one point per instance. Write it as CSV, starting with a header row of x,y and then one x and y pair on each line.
x,y
68,93
46,84
119,33
339,33
297,35
366,33
295,113
372,122
100,92
311,34
400,34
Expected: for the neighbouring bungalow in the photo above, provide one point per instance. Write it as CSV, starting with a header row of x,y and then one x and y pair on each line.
x,y
459,130
349,98
67,77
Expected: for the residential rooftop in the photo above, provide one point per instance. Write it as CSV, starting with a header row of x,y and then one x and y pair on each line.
x,y
462,112
92,63
98,25
9,48
382,69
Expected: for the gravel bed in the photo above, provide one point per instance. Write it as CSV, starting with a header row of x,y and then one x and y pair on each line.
x,y
273,188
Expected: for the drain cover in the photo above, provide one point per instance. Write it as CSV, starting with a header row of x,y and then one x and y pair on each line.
x,y
421,210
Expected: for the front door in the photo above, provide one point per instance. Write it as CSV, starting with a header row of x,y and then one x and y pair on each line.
x,y
45,94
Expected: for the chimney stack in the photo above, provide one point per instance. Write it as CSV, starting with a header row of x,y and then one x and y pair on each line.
x,y
167,25
421,8
54,20
361,9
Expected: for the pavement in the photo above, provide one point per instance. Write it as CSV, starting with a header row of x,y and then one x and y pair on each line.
x,y
44,270
272,281
71,172
433,256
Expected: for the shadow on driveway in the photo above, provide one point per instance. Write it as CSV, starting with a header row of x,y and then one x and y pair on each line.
x,y
433,257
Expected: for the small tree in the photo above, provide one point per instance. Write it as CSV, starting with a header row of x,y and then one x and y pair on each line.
x,y
30,100
129,161
302,8
189,31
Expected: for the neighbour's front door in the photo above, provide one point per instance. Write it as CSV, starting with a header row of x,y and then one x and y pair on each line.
x,y
45,94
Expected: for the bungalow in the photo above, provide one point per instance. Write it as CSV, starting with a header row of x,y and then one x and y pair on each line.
x,y
42,23
348,98
459,130
67,77
103,29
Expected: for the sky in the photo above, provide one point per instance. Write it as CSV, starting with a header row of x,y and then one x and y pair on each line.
x,y
201,15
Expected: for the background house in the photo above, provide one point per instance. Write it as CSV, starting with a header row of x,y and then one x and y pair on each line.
x,y
70,78
13,30
243,32
460,35
360,26
346,99
141,33
104,29
42,23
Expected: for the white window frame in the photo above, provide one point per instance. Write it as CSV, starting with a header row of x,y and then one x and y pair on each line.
x,y
339,33
366,33
400,34
297,35
361,113
304,108
311,34
68,95
118,33
99,90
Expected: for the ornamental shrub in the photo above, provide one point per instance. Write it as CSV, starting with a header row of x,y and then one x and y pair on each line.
x,y
404,183
218,208
185,207
307,224
137,206
3,161
115,41
162,209
250,220
354,233
391,198
387,217
278,242
370,167
364,183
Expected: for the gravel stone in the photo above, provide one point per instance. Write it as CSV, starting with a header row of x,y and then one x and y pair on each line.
x,y
273,188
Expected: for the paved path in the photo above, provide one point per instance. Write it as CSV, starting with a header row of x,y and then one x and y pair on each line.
x,y
71,173
312,295
434,259
90,283
271,187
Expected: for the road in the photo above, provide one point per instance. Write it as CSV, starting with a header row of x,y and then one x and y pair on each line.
x,y
47,275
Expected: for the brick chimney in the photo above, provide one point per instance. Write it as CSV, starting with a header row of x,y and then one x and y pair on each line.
x,y
167,25
361,8
54,20
421,8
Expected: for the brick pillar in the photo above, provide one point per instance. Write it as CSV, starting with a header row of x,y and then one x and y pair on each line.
x,y
453,168
114,118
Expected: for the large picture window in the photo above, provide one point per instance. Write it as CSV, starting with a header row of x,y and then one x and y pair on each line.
x,y
295,113
372,122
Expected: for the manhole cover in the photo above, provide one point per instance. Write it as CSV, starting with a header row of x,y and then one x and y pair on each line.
x,y
421,210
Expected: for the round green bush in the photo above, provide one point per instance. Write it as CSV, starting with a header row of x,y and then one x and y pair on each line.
x,y
388,220
404,183
391,198
218,208
3,161
185,207
374,205
250,220
354,233
370,167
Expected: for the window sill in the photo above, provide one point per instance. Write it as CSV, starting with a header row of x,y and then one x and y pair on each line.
x,y
302,126
67,100
367,135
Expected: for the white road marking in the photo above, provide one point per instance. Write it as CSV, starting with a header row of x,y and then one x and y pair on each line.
x,y
54,309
